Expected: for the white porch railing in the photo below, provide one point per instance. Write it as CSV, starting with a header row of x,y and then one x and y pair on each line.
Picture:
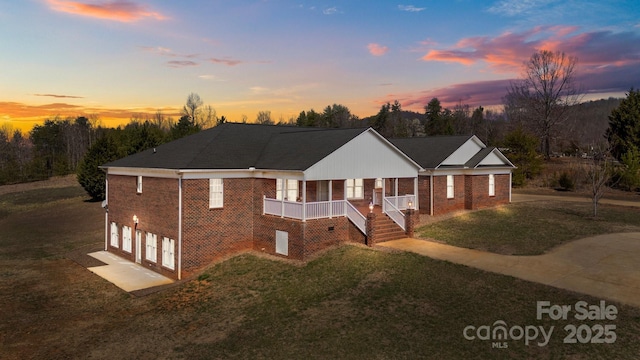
x,y
394,213
316,210
402,202
356,217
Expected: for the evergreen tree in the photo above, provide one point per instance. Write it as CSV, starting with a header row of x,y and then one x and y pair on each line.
x,y
90,176
520,148
624,125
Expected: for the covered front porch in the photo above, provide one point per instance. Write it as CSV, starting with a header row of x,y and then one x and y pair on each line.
x,y
353,198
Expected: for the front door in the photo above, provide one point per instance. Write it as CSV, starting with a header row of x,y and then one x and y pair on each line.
x,y
138,246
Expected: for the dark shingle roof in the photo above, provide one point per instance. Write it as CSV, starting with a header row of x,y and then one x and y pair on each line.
x,y
475,160
240,146
429,152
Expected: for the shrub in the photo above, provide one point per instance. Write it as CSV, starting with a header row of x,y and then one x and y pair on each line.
x,y
566,182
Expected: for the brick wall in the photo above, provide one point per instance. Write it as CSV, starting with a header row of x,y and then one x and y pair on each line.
x,y
209,234
424,194
320,234
442,205
156,208
477,191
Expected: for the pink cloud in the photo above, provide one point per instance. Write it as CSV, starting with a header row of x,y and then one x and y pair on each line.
x,y
117,10
181,63
506,52
59,96
377,49
225,61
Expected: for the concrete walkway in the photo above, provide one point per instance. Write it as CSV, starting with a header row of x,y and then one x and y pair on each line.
x,y
604,266
124,274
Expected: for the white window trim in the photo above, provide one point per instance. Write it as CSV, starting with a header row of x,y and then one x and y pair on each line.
x,y
355,188
450,187
290,189
216,193
126,238
139,184
492,185
168,253
151,246
114,235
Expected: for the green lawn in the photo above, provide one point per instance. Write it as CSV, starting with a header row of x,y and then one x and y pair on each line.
x,y
350,303
530,228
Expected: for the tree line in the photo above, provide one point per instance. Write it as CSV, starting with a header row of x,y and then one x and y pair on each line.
x,y
542,117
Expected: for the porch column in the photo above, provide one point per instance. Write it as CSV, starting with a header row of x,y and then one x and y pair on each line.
x,y
431,195
304,200
384,191
284,194
396,189
510,184
330,199
344,196
416,203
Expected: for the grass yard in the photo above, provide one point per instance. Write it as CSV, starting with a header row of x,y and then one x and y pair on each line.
x,y
531,228
350,303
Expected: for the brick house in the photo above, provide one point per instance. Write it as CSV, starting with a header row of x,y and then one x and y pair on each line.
x,y
287,191
458,172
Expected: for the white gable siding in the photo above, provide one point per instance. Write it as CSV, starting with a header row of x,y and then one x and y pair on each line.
x,y
366,156
463,154
492,159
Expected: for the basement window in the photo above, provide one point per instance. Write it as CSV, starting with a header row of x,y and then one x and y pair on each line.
x,y
282,243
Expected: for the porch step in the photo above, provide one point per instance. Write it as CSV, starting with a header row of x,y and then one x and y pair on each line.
x,y
386,229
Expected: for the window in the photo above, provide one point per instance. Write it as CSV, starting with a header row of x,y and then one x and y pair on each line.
x,y
450,191
152,247
114,234
139,185
378,183
355,189
168,252
492,185
126,238
216,193
290,189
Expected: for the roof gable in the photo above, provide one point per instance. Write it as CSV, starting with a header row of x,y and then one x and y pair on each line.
x,y
489,157
464,153
430,152
368,155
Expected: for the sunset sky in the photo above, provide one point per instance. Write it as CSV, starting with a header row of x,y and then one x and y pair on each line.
x,y
115,58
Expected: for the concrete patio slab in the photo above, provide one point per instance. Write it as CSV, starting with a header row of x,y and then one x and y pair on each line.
x,y
126,275
604,266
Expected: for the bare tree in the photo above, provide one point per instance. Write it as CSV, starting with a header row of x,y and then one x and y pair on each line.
x,y
600,172
264,117
192,108
209,118
544,94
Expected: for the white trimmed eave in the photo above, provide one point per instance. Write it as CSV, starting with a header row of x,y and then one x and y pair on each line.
x,y
205,173
496,170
